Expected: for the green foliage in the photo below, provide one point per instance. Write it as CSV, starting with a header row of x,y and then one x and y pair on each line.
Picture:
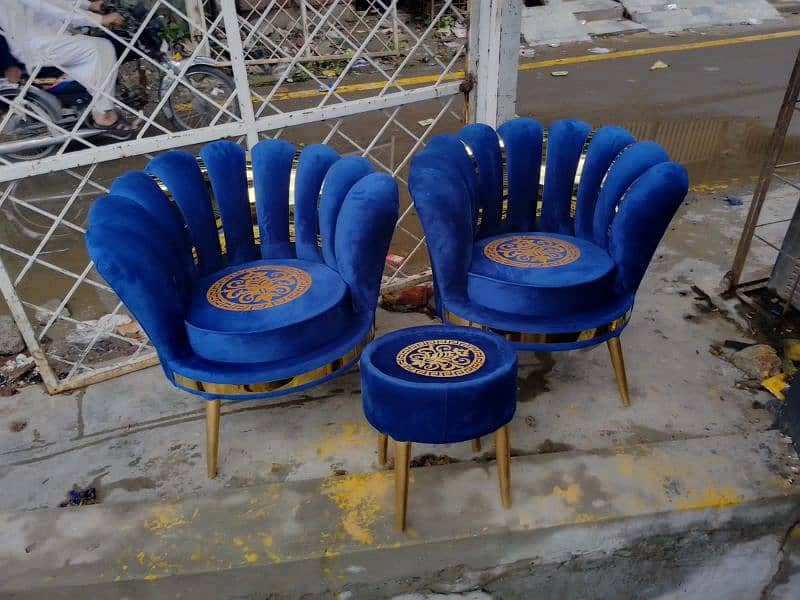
x,y
175,31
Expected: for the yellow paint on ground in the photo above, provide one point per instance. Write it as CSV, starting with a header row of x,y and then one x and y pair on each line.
x,y
710,497
585,518
164,517
150,577
360,498
708,187
251,557
349,438
544,64
571,495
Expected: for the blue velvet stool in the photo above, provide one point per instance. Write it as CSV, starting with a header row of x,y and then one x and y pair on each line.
x,y
439,385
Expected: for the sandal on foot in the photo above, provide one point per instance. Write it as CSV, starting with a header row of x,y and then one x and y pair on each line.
x,y
120,127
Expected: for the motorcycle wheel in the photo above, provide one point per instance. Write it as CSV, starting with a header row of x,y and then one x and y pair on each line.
x,y
191,111
21,126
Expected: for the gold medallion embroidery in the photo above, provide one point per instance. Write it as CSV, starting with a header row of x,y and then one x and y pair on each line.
x,y
531,251
255,288
441,358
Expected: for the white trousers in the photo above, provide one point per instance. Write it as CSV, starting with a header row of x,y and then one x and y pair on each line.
x,y
89,60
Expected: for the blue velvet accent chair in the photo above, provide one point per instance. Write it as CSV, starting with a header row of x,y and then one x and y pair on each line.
x,y
243,312
544,237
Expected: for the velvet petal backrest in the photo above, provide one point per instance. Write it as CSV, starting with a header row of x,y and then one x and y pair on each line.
x,y
315,160
130,251
565,143
607,143
227,169
453,155
142,189
629,166
522,140
644,214
443,206
179,171
342,176
485,146
272,167
363,233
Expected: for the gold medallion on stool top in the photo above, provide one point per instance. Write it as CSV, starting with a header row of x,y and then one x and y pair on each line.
x,y
441,358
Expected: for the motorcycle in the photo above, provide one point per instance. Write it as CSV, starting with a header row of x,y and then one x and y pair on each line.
x,y
54,99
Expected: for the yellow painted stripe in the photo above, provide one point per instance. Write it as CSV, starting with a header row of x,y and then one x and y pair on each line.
x,y
544,64
370,85
573,60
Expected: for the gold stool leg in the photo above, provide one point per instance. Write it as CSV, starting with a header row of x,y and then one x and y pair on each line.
x,y
476,445
212,436
402,451
503,451
383,443
615,349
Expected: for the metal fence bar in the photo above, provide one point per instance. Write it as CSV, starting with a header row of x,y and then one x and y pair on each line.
x,y
239,70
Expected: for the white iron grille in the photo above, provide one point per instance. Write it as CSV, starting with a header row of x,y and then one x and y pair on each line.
x,y
377,84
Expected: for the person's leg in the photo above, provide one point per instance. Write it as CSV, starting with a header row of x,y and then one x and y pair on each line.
x,y
91,61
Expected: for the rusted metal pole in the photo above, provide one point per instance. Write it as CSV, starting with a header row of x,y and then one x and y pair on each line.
x,y
788,107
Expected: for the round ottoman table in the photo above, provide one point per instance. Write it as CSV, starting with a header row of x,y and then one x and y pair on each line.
x,y
439,385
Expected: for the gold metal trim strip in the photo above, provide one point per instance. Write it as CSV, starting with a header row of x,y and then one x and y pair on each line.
x,y
284,385
526,337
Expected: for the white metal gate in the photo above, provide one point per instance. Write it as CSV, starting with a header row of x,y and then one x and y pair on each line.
x,y
378,83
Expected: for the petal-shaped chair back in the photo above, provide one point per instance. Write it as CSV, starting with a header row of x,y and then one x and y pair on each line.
x,y
568,180
158,229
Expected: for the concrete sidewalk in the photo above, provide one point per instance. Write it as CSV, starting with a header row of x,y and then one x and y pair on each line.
x,y
562,21
320,537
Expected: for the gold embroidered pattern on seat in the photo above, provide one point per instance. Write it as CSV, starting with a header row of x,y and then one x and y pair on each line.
x,y
531,251
255,288
441,358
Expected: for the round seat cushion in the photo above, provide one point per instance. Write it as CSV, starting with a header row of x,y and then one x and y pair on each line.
x,y
439,384
539,274
267,310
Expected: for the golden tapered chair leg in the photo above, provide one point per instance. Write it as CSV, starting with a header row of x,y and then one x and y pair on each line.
x,y
476,445
212,436
615,349
383,443
503,452
402,451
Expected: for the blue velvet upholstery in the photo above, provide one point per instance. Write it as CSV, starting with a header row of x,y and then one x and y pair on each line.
x,y
560,267
438,384
240,319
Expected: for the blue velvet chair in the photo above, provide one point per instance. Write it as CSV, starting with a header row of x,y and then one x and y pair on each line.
x,y
235,315
544,238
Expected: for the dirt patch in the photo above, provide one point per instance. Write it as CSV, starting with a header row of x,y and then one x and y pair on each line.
x,y
432,460
17,426
549,447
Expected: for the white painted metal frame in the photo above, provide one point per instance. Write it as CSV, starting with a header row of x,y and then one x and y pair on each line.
x,y
261,112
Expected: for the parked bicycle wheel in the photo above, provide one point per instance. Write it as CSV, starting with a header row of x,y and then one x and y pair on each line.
x,y
190,110
28,128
